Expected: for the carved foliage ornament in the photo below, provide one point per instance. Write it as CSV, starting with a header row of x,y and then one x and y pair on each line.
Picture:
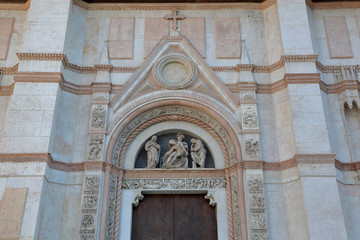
x,y
174,71
89,207
96,144
174,183
170,110
252,147
235,207
249,116
98,116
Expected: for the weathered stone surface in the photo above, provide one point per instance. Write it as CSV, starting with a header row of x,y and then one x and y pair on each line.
x,y
11,212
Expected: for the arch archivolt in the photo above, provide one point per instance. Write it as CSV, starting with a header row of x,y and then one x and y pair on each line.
x,y
171,113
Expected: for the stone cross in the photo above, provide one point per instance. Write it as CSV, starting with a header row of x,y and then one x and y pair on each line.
x,y
174,18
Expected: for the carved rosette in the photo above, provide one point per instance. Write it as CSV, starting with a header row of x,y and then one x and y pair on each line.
x,y
257,207
89,206
174,71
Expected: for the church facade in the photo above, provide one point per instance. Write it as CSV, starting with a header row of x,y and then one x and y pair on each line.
x,y
182,120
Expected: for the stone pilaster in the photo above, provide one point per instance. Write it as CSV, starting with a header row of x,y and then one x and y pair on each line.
x,y
307,136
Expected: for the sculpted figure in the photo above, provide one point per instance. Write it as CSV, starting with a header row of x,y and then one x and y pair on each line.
x,y
153,152
176,157
198,153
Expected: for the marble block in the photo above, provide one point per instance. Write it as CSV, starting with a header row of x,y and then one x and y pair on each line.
x,y
228,44
194,30
6,26
11,212
337,37
155,30
121,38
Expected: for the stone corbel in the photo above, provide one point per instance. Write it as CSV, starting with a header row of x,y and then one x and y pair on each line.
x,y
138,197
210,196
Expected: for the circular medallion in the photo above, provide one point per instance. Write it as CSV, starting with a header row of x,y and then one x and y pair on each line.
x,y
174,71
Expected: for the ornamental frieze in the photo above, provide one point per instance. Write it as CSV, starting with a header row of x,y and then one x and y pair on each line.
x,y
173,183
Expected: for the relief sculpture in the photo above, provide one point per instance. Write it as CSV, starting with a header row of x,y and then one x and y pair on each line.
x,y
198,153
153,152
176,157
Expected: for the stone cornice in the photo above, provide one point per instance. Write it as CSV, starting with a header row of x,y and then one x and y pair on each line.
x,y
332,5
15,6
9,70
7,90
38,77
169,6
41,56
160,173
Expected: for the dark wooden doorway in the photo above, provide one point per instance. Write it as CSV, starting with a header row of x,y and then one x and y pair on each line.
x,y
174,217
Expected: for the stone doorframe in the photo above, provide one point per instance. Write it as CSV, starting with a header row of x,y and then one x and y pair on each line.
x,y
222,130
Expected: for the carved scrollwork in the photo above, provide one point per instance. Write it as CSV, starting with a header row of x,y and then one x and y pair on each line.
x,y
90,202
249,116
92,183
110,221
252,147
235,206
88,223
96,145
258,221
255,184
257,202
174,183
98,116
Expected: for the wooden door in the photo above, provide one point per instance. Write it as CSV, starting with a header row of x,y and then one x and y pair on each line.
x,y
174,217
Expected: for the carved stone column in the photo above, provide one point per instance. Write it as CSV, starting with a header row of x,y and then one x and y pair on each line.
x,y
256,208
95,148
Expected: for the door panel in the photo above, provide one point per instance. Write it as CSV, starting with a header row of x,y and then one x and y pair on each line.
x,y
174,217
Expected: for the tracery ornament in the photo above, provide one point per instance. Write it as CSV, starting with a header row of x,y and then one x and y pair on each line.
x,y
173,183
98,116
96,144
172,110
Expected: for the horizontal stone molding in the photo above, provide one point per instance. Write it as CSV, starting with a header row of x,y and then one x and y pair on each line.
x,y
15,6
169,6
308,78
186,173
38,77
333,5
9,70
173,183
7,90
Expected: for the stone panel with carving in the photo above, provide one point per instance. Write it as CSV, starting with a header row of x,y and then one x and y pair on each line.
x,y
89,207
256,199
110,219
235,207
96,147
98,116
249,116
173,183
